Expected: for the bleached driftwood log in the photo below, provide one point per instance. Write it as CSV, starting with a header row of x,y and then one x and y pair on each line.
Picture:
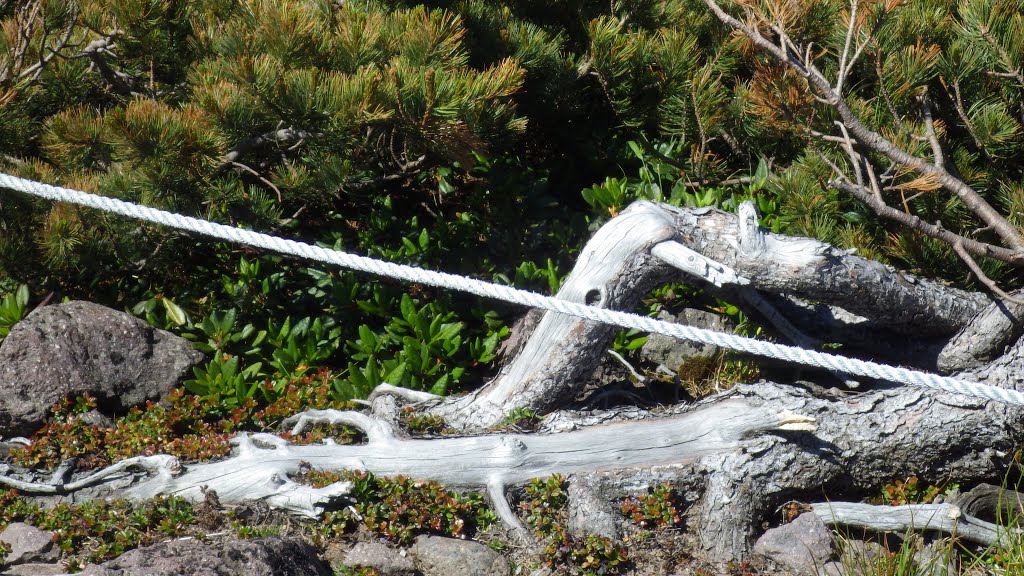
x,y
262,465
862,440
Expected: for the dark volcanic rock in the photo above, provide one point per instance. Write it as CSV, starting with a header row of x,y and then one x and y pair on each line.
x,y
80,347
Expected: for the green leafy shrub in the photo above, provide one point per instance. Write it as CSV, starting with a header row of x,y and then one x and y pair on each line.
x,y
400,508
543,505
185,425
12,309
523,419
421,348
657,509
99,530
910,491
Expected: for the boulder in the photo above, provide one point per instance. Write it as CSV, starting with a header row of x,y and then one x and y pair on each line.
x,y
438,556
803,546
386,560
79,347
257,557
28,544
674,353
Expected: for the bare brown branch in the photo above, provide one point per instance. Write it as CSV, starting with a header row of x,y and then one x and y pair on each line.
x,y
980,274
931,230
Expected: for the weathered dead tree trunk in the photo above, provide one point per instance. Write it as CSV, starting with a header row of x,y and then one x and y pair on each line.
x,y
652,243
862,440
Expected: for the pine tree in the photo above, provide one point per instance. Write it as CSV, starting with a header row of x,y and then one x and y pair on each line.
x,y
280,114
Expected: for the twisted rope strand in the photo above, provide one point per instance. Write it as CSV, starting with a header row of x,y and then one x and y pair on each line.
x,y
783,352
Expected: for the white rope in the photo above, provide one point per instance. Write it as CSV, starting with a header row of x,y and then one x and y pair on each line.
x,y
793,354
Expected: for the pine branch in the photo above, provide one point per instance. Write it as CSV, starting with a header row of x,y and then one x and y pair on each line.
x,y
120,80
876,142
405,170
958,247
259,176
932,230
281,137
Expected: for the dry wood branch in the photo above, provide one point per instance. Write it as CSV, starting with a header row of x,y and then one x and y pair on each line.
x,y
649,244
958,247
844,64
816,271
97,51
947,518
404,170
281,137
36,69
929,123
259,176
26,18
931,230
994,502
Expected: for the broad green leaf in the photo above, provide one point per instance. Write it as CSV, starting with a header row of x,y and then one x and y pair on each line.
x,y
174,313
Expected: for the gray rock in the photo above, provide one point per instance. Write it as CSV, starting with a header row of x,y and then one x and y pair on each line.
x,y
96,418
437,556
804,545
35,569
672,352
861,557
28,544
832,569
936,559
256,557
80,347
387,560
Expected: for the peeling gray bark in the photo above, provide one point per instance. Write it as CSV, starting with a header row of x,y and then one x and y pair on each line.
x,y
985,338
863,441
